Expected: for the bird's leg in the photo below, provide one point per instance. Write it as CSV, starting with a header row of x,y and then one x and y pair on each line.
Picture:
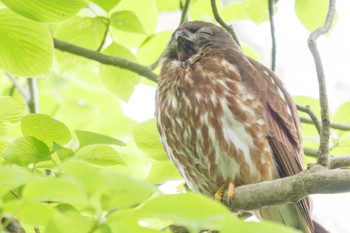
x,y
218,194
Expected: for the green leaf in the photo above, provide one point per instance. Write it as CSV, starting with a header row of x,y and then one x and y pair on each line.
x,y
107,5
257,10
11,109
26,46
62,152
153,47
164,5
234,11
342,115
308,101
99,154
311,13
53,189
46,10
13,176
26,150
3,129
46,129
341,150
29,212
126,21
82,31
250,52
162,171
261,227
147,139
89,138
3,145
120,81
62,223
124,191
191,210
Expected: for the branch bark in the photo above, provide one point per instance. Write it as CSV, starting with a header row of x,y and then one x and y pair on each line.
x,y
323,152
273,36
316,179
105,59
222,22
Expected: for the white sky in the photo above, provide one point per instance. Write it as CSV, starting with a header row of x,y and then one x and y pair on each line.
x,y
296,68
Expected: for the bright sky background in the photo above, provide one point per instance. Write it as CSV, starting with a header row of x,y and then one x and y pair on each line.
x,y
295,67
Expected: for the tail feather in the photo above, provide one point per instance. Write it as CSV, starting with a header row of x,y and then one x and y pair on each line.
x,y
319,228
289,215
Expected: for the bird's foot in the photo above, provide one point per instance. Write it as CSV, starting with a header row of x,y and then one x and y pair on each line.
x,y
230,192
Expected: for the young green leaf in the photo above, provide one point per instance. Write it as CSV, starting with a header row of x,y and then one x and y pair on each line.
x,y
100,155
89,138
194,211
261,227
26,150
342,115
46,10
26,46
126,21
311,13
11,109
147,139
54,189
46,129
29,212
162,171
120,81
106,5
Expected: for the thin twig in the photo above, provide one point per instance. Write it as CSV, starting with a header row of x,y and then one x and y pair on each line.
x,y
18,86
343,127
33,101
221,21
105,59
104,37
184,10
313,116
323,152
273,36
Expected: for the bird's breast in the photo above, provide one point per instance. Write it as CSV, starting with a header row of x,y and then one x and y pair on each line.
x,y
210,128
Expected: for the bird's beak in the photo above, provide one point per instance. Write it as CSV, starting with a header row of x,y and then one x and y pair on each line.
x,y
185,46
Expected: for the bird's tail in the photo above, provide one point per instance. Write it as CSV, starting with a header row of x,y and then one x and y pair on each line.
x,y
290,215
319,228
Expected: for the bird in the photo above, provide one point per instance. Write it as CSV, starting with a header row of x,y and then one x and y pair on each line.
x,y
225,120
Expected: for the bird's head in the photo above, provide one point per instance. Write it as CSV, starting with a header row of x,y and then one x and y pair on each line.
x,y
191,36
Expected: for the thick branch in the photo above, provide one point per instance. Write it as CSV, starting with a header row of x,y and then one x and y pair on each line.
x,y
316,179
105,59
323,152
221,21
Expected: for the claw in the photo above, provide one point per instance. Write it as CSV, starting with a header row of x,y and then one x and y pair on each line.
x,y
218,194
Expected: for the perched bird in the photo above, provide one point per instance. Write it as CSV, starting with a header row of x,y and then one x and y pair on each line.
x,y
225,120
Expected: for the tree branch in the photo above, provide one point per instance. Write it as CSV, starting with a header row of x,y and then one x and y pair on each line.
x,y
184,10
33,101
18,86
323,152
105,59
221,21
316,179
273,37
343,127
312,115
339,161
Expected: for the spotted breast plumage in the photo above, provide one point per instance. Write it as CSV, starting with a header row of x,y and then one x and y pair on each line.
x,y
225,120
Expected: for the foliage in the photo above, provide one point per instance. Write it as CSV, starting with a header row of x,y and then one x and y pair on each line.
x,y
82,165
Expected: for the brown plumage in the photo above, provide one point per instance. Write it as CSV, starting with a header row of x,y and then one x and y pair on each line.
x,y
224,118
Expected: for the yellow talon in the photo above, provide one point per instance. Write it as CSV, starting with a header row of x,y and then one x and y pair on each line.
x,y
231,190
218,194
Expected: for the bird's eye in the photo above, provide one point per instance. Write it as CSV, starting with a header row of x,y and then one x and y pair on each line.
x,y
207,33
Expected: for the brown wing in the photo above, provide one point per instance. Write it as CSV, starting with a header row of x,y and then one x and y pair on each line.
x,y
280,115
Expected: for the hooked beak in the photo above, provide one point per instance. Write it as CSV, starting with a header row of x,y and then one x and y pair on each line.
x,y
185,46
